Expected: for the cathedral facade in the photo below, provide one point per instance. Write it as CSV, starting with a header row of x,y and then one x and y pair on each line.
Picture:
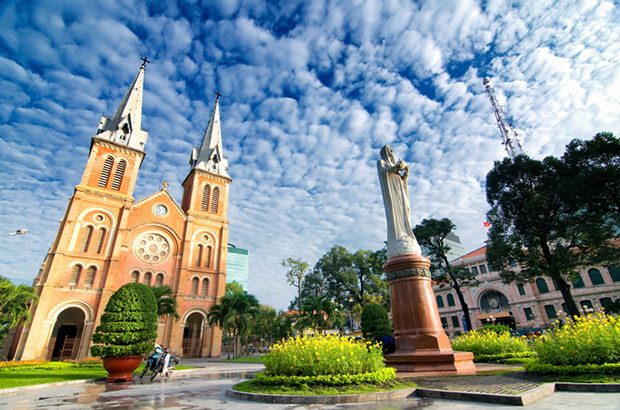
x,y
107,239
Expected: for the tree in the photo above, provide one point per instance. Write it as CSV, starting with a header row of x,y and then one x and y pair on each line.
x,y
295,275
320,313
432,234
537,223
233,315
234,287
282,327
166,302
375,321
368,267
261,326
15,302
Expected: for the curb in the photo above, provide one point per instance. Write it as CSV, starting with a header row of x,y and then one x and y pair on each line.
x,y
336,399
56,384
524,399
588,387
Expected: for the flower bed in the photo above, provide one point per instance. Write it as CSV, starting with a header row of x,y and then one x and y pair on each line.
x,y
487,343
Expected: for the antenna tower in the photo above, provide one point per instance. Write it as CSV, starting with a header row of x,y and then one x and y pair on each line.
x,y
510,139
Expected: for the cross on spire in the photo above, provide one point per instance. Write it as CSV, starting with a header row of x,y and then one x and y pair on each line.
x,y
165,184
144,62
217,93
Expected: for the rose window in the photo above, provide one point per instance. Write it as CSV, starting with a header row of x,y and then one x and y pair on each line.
x,y
152,248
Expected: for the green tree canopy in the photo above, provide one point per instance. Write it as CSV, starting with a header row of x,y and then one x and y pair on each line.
x,y
15,304
432,234
233,314
375,321
542,221
166,301
297,269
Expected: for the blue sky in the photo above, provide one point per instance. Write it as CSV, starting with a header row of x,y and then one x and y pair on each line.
x,y
311,91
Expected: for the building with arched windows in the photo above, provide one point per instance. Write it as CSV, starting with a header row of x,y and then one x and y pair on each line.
x,y
528,306
107,239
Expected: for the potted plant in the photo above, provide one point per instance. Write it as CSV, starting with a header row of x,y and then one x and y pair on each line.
x,y
127,331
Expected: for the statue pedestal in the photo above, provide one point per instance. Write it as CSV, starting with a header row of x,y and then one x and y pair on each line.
x,y
422,346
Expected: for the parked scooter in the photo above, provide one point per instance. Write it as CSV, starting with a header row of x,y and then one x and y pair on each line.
x,y
161,361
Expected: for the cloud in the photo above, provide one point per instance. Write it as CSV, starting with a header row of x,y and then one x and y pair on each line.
x,y
311,91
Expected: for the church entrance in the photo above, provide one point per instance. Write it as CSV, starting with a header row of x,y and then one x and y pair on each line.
x,y
193,335
66,335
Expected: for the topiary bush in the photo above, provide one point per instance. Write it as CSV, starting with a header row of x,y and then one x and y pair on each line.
x,y
375,321
129,325
319,359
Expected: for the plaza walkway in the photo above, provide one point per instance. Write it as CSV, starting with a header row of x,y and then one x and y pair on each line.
x,y
205,388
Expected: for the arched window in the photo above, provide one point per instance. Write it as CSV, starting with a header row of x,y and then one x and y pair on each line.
x,y
87,235
75,275
439,301
147,278
198,255
208,257
135,276
605,303
90,276
159,279
541,284
444,322
205,198
614,271
105,172
578,282
455,321
595,277
521,289
586,305
216,196
205,286
450,299
118,174
100,239
195,282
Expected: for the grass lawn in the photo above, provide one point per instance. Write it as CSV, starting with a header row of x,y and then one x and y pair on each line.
x,y
16,377
247,359
252,387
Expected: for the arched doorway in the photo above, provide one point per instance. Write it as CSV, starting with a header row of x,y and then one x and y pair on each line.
x,y
66,335
193,335
495,309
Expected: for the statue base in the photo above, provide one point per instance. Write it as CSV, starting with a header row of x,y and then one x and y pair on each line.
x,y
422,346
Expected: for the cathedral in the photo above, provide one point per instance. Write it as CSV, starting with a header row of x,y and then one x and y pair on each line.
x,y
107,239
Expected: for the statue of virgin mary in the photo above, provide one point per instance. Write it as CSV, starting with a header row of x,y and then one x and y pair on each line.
x,y
393,178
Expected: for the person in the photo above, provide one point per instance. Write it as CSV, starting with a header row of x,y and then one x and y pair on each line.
x,y
393,178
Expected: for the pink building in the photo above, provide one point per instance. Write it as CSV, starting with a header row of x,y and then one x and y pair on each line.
x,y
532,305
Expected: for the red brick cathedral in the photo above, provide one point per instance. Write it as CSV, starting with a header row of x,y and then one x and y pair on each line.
x,y
107,239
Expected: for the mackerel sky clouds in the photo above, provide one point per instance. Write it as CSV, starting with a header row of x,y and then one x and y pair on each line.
x,y
311,91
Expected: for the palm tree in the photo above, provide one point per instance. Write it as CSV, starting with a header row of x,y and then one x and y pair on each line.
x,y
320,313
15,304
232,314
166,302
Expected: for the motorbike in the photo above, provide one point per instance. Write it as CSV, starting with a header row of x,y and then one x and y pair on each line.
x,y
161,361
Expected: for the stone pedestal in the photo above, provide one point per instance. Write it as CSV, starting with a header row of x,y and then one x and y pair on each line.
x,y
422,346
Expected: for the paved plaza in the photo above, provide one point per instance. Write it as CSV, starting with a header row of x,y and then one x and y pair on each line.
x,y
205,388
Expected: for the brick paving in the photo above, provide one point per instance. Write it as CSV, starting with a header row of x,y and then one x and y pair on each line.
x,y
513,383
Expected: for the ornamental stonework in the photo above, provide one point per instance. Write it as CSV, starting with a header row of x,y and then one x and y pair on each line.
x,y
151,248
406,273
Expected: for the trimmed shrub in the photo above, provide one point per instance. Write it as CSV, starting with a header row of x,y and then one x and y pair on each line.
x,y
534,366
129,325
591,339
503,357
497,329
375,321
323,355
378,377
488,342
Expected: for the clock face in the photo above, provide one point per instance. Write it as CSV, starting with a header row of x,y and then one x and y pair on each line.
x,y
160,210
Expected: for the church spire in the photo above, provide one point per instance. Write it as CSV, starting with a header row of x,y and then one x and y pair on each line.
x,y
210,156
125,126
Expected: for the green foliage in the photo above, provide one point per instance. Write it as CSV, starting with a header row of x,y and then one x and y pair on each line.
x,y
233,315
380,376
486,342
323,355
282,327
319,313
15,304
432,234
550,218
503,357
166,301
251,386
591,339
295,275
498,329
375,321
536,367
129,325
234,287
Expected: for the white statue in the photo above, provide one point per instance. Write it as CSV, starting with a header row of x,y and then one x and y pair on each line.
x,y
401,240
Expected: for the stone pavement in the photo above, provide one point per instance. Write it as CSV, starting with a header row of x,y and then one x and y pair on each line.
x,y
205,388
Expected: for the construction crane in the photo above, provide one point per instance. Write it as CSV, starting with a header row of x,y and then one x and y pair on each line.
x,y
510,139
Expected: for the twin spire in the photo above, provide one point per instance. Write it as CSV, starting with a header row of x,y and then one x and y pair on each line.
x,y
125,128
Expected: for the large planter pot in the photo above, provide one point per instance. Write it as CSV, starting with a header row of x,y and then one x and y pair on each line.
x,y
121,368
